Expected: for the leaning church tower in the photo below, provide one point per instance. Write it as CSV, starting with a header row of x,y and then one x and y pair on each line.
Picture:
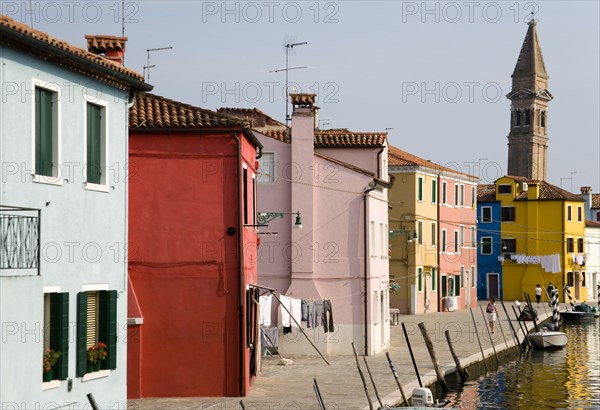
x,y
528,137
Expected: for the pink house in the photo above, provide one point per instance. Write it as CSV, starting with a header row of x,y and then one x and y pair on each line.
x,y
458,240
337,180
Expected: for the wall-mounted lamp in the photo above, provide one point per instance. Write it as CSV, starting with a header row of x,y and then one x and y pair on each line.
x,y
264,218
403,231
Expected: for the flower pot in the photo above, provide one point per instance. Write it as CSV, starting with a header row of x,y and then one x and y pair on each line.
x,y
98,365
48,376
90,367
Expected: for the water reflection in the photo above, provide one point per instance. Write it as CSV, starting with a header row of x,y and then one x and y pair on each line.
x,y
567,378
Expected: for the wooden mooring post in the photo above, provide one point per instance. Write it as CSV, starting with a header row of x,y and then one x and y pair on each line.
x,y
464,375
412,356
479,340
489,334
362,377
512,328
434,360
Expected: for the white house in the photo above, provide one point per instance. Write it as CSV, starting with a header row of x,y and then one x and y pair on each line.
x,y
63,217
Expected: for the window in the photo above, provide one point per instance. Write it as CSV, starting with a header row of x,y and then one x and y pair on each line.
x,y
579,216
598,216
462,276
444,285
518,118
580,245
570,279
473,283
245,193
433,191
373,249
420,279
253,199
444,198
504,189
527,117
382,251
456,194
96,144
462,236
508,214
457,286
473,197
433,233
386,239
486,214
570,245
56,331
462,194
443,240
569,216
46,132
433,281
420,232
543,119
455,241
420,188
486,245
96,322
509,245
473,237
266,168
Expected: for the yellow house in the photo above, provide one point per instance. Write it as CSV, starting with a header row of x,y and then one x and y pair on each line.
x,y
542,237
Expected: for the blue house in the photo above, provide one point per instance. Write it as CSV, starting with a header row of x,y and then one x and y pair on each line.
x,y
489,279
63,219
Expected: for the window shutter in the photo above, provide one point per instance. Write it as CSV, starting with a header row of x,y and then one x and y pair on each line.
x,y
43,132
94,143
81,333
107,329
59,331
92,319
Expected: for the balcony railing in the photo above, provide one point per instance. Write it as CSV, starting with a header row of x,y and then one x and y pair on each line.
x,y
19,238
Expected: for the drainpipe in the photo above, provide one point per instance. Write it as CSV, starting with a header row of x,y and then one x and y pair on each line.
x,y
366,268
379,162
439,245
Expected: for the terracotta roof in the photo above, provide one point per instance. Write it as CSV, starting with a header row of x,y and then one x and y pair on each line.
x,y
595,201
387,184
592,224
153,111
400,158
486,193
15,34
260,122
548,192
348,139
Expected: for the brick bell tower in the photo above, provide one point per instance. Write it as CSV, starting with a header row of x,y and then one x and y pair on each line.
x,y
528,137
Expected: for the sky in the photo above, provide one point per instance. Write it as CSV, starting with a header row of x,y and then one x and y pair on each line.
x,y
434,74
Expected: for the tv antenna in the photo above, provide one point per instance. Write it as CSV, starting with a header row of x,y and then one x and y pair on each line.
x,y
289,45
324,122
147,67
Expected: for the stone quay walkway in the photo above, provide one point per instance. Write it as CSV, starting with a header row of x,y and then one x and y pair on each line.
x,y
291,387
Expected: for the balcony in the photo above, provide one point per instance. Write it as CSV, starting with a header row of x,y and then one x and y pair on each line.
x,y
19,241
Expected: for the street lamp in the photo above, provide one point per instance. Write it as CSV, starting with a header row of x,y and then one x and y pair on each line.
x,y
265,217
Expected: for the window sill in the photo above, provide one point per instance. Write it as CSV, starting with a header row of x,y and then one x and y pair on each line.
x,y
96,187
95,375
47,180
52,384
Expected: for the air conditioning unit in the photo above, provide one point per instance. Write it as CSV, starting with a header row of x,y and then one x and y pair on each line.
x,y
524,186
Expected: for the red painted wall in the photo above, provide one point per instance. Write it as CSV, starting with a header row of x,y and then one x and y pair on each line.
x,y
184,267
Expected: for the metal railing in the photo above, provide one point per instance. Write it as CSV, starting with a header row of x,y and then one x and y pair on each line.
x,y
20,238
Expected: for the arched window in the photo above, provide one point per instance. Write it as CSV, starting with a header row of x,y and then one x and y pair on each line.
x,y
543,119
527,117
517,118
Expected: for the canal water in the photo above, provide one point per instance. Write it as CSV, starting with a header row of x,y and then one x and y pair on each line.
x,y
568,378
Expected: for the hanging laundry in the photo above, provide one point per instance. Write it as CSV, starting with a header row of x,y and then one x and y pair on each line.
x,y
296,311
265,309
318,312
285,307
308,312
327,316
268,335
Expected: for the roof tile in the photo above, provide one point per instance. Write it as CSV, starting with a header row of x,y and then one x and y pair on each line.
x,y
400,158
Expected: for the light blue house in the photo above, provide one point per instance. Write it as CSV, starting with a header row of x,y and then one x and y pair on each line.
x,y
63,218
490,247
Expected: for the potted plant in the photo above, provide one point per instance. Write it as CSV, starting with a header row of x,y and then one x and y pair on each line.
x,y
96,354
50,359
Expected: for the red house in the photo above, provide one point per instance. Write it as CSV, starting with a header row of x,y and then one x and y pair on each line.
x,y
192,251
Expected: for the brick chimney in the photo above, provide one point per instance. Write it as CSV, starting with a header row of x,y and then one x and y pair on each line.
x,y
109,47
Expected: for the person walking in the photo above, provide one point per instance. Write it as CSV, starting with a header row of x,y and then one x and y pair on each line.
x,y
491,313
538,294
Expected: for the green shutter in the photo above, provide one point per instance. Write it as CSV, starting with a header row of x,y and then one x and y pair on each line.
x,y
443,286
107,329
420,188
420,278
44,128
59,332
456,287
433,282
94,144
81,333
434,191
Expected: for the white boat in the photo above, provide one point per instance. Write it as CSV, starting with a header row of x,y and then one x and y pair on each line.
x,y
545,339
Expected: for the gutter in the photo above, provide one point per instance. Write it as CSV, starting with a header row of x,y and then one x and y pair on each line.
x,y
79,61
